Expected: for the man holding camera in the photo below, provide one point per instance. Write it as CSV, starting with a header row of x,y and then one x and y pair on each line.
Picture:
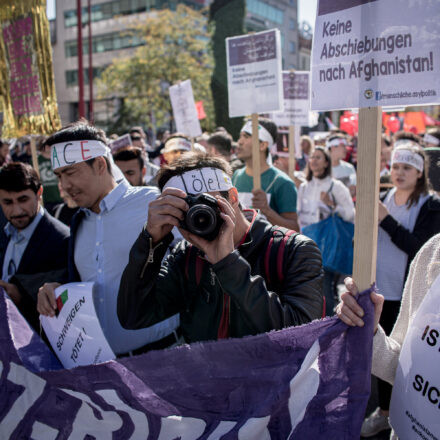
x,y
216,277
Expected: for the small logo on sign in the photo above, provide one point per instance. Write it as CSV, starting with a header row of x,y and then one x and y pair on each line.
x,y
368,93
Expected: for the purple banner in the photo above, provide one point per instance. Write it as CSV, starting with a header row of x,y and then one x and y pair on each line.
x,y
308,382
252,48
24,80
296,85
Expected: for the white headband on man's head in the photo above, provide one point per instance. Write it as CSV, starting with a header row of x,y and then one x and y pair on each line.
x,y
336,142
407,157
263,134
201,180
72,152
430,139
176,143
69,153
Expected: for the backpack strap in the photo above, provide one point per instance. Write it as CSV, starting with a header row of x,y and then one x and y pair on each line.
x,y
274,255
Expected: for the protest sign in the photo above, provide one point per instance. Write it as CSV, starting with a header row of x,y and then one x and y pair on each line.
x,y
254,73
184,109
296,100
75,333
306,382
121,142
375,53
28,96
281,147
415,402
200,110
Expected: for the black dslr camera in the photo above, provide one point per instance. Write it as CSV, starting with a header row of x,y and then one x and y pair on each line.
x,y
203,216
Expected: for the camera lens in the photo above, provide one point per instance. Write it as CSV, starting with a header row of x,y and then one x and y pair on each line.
x,y
201,219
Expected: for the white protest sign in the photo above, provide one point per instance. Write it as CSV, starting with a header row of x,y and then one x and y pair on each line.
x,y
254,73
415,402
75,334
245,198
184,109
375,53
296,100
121,142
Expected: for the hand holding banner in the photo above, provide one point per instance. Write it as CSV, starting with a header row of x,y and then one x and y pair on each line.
x,y
75,333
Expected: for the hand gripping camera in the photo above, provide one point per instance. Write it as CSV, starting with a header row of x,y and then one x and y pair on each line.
x,y
203,216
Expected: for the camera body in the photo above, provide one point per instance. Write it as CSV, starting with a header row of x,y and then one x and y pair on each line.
x,y
203,216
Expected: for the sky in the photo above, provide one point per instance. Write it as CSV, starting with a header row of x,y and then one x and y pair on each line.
x,y
50,9
306,10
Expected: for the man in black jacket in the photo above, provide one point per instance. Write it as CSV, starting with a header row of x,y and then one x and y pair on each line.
x,y
33,244
222,291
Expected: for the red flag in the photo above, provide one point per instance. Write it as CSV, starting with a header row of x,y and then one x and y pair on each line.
x,y
200,110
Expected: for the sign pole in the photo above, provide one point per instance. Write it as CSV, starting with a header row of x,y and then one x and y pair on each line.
x,y
256,168
292,160
34,155
366,224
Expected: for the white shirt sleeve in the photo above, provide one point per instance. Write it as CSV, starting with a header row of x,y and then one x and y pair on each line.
x,y
344,202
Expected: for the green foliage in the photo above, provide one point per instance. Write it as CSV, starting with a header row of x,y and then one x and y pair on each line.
x,y
176,49
227,17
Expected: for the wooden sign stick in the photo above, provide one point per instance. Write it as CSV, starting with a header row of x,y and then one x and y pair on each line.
x,y
34,155
256,167
292,160
367,197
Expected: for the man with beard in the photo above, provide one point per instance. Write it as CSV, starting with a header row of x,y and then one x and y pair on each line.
x,y
33,247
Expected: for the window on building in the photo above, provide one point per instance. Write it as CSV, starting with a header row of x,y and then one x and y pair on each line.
x,y
292,2
72,75
104,43
292,47
292,24
266,11
105,11
110,9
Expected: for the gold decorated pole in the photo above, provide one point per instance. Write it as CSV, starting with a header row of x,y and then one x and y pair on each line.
x,y
292,159
27,87
256,166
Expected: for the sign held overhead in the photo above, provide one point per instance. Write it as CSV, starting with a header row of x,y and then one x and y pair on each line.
x,y
380,52
254,73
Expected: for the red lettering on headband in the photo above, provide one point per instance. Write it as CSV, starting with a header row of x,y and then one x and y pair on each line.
x,y
83,150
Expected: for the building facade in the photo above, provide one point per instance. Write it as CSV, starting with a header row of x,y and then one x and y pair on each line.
x,y
111,21
280,14
305,46
111,39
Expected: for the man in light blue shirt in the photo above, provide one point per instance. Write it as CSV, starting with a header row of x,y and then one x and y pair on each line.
x,y
102,232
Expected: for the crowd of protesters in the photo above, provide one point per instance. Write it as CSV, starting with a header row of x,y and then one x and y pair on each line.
x,y
116,217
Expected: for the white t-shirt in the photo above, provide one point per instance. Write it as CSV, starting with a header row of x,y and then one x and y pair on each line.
x,y
345,172
310,208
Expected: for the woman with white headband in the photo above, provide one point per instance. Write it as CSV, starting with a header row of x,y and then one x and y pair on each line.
x,y
409,215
